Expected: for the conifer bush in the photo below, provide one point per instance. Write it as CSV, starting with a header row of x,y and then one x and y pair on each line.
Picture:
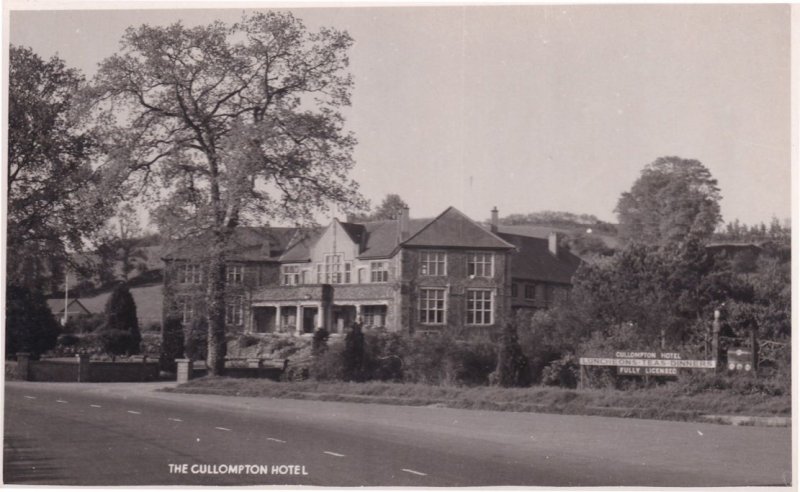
x,y
512,366
120,332
30,325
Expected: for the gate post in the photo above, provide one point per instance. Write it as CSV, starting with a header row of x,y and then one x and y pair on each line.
x,y
23,366
185,370
83,368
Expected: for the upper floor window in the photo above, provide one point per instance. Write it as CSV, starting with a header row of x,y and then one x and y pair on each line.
x,y
189,273
348,268
379,271
433,263
332,269
432,306
234,274
290,274
480,264
479,307
234,311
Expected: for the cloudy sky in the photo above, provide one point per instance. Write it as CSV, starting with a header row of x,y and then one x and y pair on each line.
x,y
533,107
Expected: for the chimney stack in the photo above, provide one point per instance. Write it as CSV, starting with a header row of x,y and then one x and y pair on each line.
x,y
493,225
552,243
403,223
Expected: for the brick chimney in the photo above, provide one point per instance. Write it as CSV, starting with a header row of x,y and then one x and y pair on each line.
x,y
403,224
493,224
552,243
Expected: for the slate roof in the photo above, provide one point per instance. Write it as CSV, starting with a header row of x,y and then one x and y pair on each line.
x,y
247,244
533,260
454,229
75,307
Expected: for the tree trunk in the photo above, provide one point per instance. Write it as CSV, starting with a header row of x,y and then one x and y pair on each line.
x,y
215,300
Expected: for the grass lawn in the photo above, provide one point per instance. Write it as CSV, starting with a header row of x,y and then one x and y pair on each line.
x,y
666,402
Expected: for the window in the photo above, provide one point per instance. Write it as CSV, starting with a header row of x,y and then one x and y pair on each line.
x,y
431,306
234,311
379,271
290,274
375,316
186,308
304,276
189,273
362,275
348,267
333,269
433,263
530,291
234,274
480,265
479,307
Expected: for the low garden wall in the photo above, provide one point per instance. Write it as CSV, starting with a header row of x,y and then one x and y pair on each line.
x,y
81,369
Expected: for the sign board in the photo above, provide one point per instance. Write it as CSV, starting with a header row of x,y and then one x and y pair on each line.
x,y
647,371
647,363
740,359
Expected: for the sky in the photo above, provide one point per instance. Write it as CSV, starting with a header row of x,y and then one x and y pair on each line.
x,y
531,108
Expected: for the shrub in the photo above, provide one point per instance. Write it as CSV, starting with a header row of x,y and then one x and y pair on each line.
x,y
85,323
384,356
171,344
512,365
425,358
319,343
30,325
562,372
153,326
196,339
329,365
246,341
118,342
68,340
120,314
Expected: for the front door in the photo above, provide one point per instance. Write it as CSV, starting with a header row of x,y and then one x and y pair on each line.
x,y
309,319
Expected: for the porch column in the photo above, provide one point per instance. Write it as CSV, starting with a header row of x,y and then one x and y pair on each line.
x,y
359,315
299,321
320,316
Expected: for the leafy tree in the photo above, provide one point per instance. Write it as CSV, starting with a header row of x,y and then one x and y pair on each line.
x,y
55,198
512,366
673,199
239,123
171,344
121,319
30,325
390,208
195,337
119,244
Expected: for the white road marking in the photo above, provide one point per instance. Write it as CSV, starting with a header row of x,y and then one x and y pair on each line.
x,y
334,454
222,428
415,472
175,420
134,412
276,440
30,397
95,406
62,401
700,433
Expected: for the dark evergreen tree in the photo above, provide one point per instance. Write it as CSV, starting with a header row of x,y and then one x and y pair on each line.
x,y
121,319
30,325
512,366
354,355
171,344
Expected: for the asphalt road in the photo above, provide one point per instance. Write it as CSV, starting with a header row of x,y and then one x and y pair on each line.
x,y
128,434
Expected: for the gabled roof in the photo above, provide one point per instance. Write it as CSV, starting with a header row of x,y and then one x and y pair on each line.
x,y
454,229
74,307
534,261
